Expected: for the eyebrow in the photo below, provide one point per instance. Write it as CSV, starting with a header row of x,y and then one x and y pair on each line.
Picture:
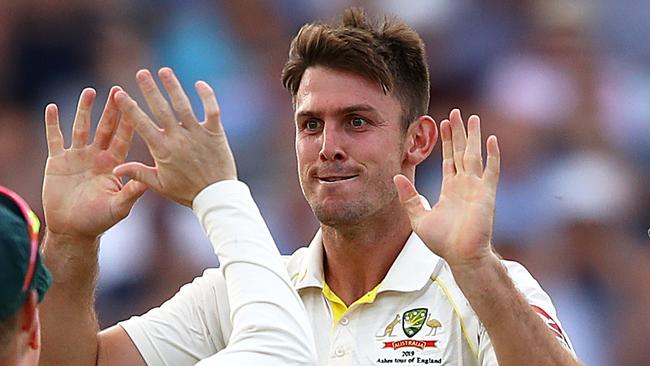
x,y
341,111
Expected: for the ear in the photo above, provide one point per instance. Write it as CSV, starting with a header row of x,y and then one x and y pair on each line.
x,y
420,138
29,322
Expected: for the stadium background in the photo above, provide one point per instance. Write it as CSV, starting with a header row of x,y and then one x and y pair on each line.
x,y
564,84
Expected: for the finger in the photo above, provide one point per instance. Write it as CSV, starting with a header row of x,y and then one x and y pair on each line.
x,y
210,107
493,165
410,199
179,99
53,130
81,125
141,122
147,175
156,101
121,141
127,197
458,138
448,168
473,161
108,121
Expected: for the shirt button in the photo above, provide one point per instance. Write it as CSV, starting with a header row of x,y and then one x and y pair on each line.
x,y
344,321
339,352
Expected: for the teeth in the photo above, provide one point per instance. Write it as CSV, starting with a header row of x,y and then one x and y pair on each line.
x,y
335,179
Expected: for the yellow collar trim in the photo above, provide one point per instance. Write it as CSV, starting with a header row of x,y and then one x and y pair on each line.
x,y
338,306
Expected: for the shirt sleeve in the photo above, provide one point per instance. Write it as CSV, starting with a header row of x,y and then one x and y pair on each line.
x,y
263,320
539,301
186,328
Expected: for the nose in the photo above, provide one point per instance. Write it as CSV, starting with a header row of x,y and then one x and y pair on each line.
x,y
332,139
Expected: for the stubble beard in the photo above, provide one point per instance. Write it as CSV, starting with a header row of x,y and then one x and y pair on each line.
x,y
355,210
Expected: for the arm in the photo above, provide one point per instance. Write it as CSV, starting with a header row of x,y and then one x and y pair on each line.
x,y
516,331
79,181
70,327
270,325
269,322
459,229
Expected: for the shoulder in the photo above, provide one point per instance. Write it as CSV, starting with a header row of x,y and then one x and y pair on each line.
x,y
205,292
193,324
538,299
520,276
527,284
295,262
517,271
203,286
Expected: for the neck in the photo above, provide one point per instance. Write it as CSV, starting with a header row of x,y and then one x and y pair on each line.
x,y
357,257
9,354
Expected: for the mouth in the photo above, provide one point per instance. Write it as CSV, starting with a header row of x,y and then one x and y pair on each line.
x,y
336,179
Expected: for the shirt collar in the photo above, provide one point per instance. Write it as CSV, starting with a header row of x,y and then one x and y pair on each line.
x,y
311,272
411,270
413,267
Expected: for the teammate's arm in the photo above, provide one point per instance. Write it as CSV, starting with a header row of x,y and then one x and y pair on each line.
x,y
191,159
82,198
69,324
459,229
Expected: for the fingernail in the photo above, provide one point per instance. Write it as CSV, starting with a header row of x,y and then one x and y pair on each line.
x,y
165,72
120,96
88,90
50,107
142,74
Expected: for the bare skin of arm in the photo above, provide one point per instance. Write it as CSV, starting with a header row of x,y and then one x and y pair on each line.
x,y
459,229
82,199
70,329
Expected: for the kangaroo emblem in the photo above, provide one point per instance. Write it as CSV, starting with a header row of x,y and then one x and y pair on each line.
x,y
388,331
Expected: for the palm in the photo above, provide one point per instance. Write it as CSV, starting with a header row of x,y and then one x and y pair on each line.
x,y
78,192
459,226
461,221
81,195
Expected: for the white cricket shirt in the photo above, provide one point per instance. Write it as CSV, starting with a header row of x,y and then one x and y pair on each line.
x,y
269,323
416,316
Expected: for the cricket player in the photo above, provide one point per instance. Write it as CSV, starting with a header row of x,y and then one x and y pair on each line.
x,y
387,278
24,280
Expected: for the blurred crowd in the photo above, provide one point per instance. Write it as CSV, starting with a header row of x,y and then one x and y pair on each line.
x,y
564,84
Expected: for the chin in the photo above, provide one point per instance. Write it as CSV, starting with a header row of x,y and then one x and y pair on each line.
x,y
343,212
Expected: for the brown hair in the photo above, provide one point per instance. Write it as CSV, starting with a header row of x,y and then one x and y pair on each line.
x,y
389,52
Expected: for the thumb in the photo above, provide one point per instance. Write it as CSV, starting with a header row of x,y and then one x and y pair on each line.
x,y
127,196
409,197
139,172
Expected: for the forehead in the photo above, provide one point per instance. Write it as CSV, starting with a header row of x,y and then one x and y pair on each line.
x,y
324,90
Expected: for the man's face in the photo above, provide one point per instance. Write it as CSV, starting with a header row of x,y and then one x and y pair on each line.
x,y
348,145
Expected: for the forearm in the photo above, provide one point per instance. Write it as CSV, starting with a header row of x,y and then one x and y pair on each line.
x,y
257,282
69,324
517,333
269,325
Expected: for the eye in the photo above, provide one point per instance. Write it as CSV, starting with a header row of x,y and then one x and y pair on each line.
x,y
312,125
357,122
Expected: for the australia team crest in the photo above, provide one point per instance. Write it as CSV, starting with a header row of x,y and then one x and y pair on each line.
x,y
413,320
411,345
